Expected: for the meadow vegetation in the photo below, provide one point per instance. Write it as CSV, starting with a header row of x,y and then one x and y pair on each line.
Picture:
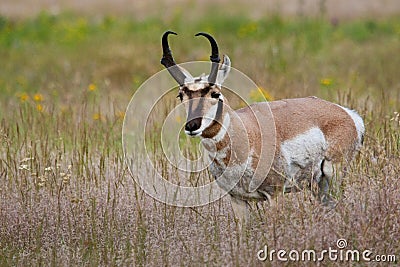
x,y
66,196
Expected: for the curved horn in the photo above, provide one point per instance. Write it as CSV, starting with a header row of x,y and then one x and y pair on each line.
x,y
168,61
214,57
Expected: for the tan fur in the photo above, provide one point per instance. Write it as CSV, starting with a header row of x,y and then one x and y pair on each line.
x,y
291,117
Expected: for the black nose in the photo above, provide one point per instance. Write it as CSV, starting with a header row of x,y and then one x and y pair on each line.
x,y
193,125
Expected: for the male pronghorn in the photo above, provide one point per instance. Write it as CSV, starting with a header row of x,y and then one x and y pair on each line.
x,y
310,135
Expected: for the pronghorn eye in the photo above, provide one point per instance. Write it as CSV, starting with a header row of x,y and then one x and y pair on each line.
x,y
215,95
180,96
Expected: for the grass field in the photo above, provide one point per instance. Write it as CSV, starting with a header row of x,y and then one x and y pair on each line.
x,y
68,199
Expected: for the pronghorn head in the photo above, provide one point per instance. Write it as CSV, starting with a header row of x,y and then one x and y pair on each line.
x,y
201,95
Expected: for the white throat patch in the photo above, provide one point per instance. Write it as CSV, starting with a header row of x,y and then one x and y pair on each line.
x,y
224,128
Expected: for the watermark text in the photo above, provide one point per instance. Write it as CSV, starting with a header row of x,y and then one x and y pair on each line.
x,y
336,253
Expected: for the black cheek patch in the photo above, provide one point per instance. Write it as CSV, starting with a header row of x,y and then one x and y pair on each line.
x,y
218,116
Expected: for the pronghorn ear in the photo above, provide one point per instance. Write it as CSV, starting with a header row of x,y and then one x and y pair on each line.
x,y
223,70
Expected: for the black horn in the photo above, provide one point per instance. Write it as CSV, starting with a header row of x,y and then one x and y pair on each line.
x,y
214,57
168,61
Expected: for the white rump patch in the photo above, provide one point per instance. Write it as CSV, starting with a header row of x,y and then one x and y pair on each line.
x,y
303,150
358,122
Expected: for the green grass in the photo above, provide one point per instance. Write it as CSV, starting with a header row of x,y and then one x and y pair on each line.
x,y
66,197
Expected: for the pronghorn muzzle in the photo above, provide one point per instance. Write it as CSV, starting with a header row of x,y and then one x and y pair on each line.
x,y
193,125
194,116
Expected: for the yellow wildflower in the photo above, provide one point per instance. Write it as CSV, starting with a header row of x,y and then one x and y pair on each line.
x,y
326,81
92,87
97,116
23,97
266,94
259,94
38,97
178,119
39,107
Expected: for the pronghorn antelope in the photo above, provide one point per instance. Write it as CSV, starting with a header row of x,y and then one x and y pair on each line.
x,y
311,135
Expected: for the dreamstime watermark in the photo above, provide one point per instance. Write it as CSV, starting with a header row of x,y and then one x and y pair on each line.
x,y
153,139
338,253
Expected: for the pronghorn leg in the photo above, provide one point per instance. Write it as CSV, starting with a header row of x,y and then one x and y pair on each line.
x,y
324,183
241,210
